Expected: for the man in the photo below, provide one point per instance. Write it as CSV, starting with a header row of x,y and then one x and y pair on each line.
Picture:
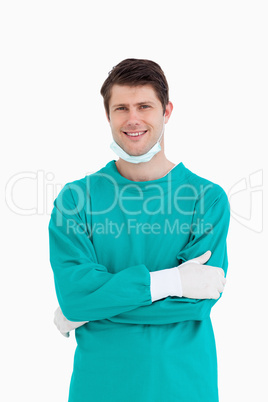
x,y
128,248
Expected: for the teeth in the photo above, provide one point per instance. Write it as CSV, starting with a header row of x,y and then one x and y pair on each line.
x,y
135,134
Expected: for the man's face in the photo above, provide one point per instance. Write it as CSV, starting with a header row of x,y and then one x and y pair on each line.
x,y
136,110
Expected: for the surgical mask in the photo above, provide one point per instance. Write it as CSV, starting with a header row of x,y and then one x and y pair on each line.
x,y
139,158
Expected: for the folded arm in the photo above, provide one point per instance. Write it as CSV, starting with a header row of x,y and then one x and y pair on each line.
x,y
170,309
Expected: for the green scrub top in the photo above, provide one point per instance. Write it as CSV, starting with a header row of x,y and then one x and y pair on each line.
x,y
106,233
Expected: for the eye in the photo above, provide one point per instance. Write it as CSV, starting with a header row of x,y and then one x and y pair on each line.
x,y
145,106
120,108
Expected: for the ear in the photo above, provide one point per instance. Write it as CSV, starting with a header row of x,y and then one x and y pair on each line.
x,y
168,111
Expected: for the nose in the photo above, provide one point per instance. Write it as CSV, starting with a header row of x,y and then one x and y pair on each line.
x,y
132,118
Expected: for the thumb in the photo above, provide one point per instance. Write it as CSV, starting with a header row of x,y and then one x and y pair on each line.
x,y
202,259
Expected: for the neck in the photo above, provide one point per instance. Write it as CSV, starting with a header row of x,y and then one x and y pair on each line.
x,y
154,169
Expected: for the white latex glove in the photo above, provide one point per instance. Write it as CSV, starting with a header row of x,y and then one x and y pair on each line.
x,y
200,281
64,325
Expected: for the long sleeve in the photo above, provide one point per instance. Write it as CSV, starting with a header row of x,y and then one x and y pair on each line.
x,y
209,232
86,291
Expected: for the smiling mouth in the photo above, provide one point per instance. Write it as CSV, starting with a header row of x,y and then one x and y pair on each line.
x,y
134,134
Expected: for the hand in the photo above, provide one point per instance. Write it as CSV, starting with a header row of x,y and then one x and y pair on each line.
x,y
201,281
64,325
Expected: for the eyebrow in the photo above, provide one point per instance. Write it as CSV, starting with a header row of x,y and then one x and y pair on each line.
x,y
136,104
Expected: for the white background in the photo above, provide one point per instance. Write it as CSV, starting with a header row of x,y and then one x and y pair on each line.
x,y
55,56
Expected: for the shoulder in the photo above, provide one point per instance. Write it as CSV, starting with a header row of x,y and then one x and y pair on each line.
x,y
207,191
87,183
77,192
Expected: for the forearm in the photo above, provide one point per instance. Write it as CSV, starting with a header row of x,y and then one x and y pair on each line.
x,y
168,304
167,311
172,308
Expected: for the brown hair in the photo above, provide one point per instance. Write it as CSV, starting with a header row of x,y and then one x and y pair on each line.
x,y
134,72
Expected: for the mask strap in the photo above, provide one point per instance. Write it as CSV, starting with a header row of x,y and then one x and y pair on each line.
x,y
159,139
